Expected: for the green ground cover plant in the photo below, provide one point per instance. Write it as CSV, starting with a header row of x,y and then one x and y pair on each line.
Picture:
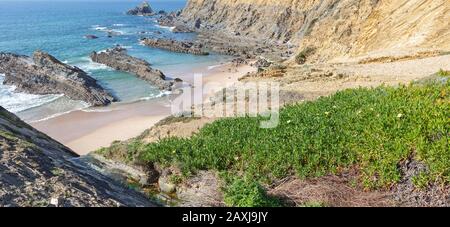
x,y
372,129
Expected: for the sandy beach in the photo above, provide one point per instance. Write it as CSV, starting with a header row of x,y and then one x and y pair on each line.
x,y
87,130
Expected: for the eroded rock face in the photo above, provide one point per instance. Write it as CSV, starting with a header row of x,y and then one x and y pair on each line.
x,y
217,38
169,20
118,59
337,28
143,9
175,46
44,74
35,170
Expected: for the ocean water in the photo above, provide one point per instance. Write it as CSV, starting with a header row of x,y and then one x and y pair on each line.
x,y
59,27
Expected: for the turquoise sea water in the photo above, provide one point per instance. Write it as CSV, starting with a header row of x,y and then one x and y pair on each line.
x,y
59,27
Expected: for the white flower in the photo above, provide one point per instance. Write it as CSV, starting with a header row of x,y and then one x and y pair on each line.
x,y
399,115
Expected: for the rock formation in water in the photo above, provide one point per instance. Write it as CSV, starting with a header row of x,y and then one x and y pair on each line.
x,y
143,9
44,74
35,171
335,28
91,37
175,46
118,59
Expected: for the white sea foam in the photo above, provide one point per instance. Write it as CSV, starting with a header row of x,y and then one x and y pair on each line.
x,y
99,28
109,30
17,102
84,106
118,25
117,31
213,67
165,27
161,94
97,110
88,65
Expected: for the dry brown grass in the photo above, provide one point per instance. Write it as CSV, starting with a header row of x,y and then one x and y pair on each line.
x,y
332,191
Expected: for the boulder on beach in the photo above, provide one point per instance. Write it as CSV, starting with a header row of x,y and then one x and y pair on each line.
x,y
143,9
43,74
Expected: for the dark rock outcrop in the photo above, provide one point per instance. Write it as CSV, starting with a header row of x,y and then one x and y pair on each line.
x,y
37,171
170,20
175,46
181,29
91,37
220,40
239,62
118,59
262,63
143,9
198,23
44,74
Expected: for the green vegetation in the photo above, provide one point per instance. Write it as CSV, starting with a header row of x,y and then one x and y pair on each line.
x,y
374,129
123,151
13,138
57,171
303,55
443,73
247,193
176,179
421,181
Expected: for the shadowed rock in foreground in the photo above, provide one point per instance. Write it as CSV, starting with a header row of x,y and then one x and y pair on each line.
x,y
118,59
35,170
175,46
44,74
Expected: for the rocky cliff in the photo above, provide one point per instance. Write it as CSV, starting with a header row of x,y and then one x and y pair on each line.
x,y
35,170
334,28
44,74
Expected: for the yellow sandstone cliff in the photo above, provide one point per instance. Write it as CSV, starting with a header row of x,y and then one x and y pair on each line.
x,y
337,29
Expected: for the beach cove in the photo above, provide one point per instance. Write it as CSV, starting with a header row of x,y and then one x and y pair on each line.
x,y
90,129
140,105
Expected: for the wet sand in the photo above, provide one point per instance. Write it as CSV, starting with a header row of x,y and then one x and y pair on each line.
x,y
88,130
